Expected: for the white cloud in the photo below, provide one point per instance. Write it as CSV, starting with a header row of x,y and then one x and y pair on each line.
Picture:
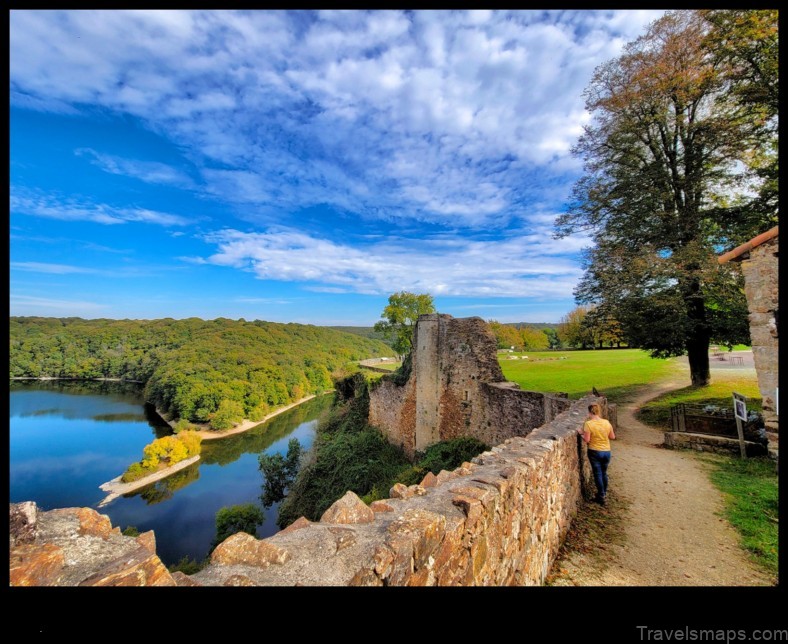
x,y
73,209
451,117
148,171
525,265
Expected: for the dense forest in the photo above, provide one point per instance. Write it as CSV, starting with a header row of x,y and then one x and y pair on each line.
x,y
191,367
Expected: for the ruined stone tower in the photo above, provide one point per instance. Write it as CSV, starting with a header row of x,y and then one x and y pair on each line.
x,y
456,388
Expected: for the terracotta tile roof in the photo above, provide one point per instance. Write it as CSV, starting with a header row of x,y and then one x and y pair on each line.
x,y
737,252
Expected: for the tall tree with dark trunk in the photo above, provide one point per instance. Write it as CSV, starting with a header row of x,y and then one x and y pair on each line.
x,y
664,191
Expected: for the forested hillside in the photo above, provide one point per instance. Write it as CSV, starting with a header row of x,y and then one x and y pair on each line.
x,y
191,366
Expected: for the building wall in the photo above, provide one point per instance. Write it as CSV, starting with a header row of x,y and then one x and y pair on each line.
x,y
761,289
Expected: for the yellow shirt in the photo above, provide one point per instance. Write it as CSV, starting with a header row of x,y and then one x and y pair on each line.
x,y
599,430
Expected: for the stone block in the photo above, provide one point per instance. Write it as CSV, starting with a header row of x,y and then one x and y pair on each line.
x,y
36,564
242,548
350,510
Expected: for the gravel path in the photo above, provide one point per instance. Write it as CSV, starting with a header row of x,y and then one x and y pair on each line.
x,y
674,533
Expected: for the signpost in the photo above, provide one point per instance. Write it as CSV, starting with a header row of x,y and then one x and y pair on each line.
x,y
740,411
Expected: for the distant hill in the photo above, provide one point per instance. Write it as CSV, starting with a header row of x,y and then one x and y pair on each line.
x,y
363,331
535,325
191,367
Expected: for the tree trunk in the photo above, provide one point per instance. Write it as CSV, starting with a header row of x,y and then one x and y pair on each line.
x,y
698,353
698,337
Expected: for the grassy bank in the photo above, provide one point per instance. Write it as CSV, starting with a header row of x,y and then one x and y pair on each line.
x,y
750,490
616,373
657,411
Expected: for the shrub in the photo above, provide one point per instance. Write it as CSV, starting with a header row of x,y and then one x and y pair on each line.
x,y
188,566
237,518
135,471
131,531
192,441
181,425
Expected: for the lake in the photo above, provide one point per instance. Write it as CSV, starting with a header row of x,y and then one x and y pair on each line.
x,y
67,438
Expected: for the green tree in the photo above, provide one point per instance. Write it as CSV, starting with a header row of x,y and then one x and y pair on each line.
x,y
506,335
237,518
572,330
230,413
400,317
662,189
745,45
553,341
533,339
279,472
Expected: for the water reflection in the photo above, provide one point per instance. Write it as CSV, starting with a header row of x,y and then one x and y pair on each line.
x,y
67,438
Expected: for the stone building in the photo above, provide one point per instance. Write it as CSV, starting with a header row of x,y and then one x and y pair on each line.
x,y
456,388
759,262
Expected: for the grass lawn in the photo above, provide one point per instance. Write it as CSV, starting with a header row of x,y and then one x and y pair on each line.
x,y
657,411
389,366
614,372
750,490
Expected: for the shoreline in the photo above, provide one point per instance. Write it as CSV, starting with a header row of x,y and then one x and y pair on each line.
x,y
245,424
116,488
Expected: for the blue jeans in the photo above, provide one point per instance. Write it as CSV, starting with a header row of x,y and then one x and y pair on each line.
x,y
599,462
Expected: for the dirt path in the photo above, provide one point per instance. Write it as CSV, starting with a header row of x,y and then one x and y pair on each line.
x,y
670,514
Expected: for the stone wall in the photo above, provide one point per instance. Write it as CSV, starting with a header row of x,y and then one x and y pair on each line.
x,y
761,288
499,520
456,388
711,443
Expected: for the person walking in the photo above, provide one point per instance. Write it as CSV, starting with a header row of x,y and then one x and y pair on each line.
x,y
597,432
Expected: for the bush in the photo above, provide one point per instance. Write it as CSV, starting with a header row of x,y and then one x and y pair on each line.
x,y
448,455
192,441
188,566
181,425
131,531
135,471
229,414
237,518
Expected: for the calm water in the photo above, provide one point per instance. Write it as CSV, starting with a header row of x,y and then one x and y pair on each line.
x,y
67,438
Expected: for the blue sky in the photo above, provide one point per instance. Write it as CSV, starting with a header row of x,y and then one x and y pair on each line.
x,y
298,166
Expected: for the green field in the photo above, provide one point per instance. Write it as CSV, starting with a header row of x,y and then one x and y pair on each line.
x,y
615,372
719,392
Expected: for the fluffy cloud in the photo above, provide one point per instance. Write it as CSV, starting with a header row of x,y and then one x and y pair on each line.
x,y
449,117
525,265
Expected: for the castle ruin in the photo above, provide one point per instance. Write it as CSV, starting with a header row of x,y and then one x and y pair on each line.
x,y
456,388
